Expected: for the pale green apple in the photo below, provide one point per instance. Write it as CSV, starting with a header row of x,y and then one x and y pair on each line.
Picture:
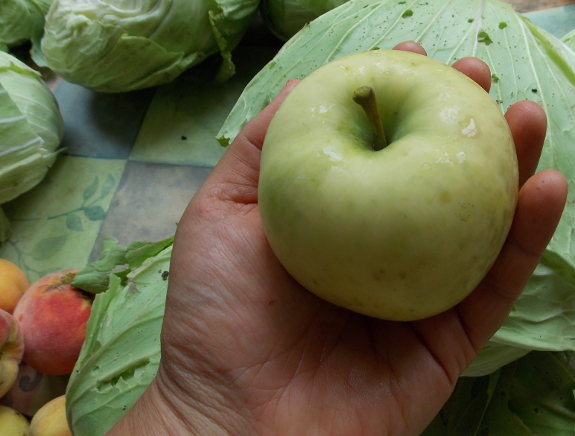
x,y
405,232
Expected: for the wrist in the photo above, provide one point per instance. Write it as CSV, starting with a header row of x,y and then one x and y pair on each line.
x,y
152,415
160,410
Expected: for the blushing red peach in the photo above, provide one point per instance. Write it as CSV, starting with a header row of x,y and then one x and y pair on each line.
x,y
13,283
11,350
53,315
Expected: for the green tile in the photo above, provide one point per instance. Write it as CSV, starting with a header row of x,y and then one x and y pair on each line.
x,y
55,225
149,202
557,21
185,115
100,125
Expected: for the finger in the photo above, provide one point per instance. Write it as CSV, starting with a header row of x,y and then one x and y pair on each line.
x,y
254,131
235,177
475,69
528,124
410,46
539,208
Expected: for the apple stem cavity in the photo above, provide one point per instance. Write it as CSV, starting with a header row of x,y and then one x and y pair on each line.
x,y
365,97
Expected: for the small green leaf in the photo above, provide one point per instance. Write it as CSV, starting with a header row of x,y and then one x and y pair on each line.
x,y
91,190
94,213
48,247
73,222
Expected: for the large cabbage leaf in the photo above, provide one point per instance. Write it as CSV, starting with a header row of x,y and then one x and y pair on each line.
x,y
531,396
122,45
526,63
121,354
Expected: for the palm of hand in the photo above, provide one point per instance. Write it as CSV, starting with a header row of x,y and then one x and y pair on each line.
x,y
250,349
279,352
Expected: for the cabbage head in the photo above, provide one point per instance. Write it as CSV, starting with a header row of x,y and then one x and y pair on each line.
x,y
22,21
122,45
31,130
284,18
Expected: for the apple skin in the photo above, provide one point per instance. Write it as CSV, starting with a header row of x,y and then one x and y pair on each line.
x,y
53,315
50,420
11,350
403,233
13,284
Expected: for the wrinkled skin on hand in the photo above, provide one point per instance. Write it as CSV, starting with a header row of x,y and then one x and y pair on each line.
x,y
247,351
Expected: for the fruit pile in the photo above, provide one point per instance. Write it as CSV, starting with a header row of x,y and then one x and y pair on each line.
x,y
42,329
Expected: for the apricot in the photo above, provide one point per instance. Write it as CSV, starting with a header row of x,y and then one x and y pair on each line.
x,y
12,423
50,420
11,350
53,315
13,283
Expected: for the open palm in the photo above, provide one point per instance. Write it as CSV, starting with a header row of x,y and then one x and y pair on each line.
x,y
246,350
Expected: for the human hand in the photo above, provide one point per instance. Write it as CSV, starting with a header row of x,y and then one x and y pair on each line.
x,y
246,350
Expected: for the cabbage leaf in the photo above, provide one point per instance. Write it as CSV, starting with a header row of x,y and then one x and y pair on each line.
x,y
121,354
526,62
531,396
284,18
569,39
117,260
22,21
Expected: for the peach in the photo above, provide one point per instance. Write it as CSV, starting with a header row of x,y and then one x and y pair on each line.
x,y
13,423
53,315
11,350
50,420
32,390
13,283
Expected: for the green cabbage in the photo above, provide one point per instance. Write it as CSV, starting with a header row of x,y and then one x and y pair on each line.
x,y
121,354
122,45
284,18
31,129
526,63
22,21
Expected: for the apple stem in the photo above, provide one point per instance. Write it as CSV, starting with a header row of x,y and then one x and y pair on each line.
x,y
365,97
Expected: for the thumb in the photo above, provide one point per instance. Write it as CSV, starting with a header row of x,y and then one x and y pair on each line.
x,y
235,177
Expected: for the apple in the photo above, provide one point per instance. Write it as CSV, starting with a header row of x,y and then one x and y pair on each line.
x,y
53,315
11,351
13,283
50,420
13,423
395,207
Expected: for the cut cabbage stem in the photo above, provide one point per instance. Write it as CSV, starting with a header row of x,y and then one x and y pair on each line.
x,y
365,97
